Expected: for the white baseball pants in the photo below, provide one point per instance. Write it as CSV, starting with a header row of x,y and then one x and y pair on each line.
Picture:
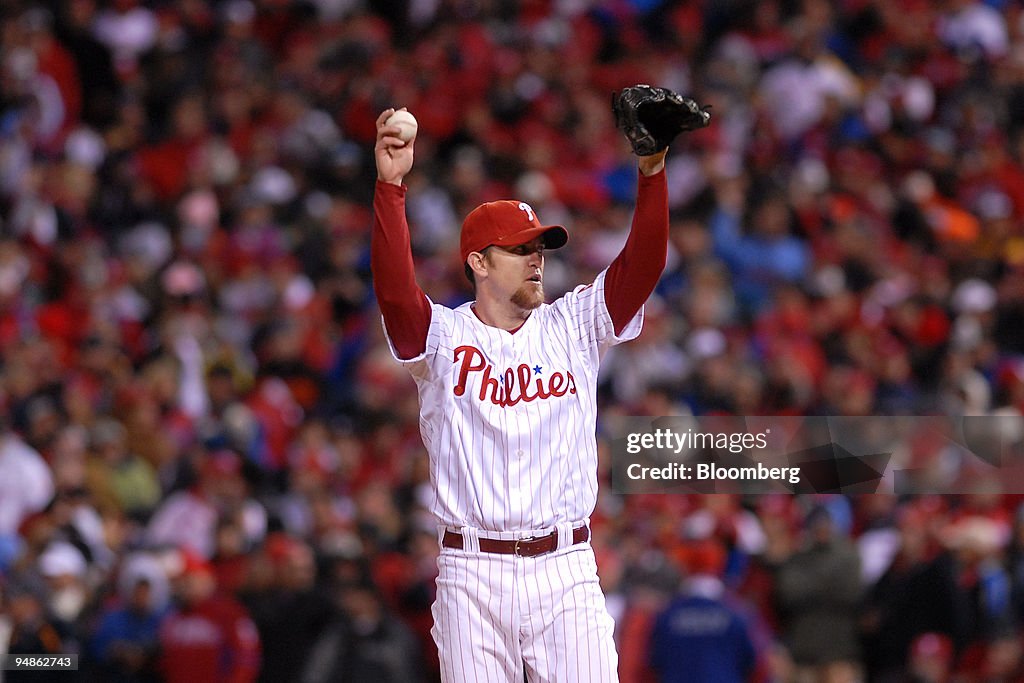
x,y
496,614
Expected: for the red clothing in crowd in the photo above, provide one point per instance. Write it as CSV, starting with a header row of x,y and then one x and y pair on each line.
x,y
212,642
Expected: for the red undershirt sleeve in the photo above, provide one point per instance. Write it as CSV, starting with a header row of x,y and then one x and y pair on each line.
x,y
633,274
404,306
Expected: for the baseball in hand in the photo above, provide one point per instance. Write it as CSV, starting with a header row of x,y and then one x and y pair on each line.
x,y
406,123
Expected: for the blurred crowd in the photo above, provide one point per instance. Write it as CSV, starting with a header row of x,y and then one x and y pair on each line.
x,y
210,466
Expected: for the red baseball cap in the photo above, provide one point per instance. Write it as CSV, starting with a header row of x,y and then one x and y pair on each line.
x,y
506,223
192,564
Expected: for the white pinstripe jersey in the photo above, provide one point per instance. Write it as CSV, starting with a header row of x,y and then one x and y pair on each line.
x,y
509,419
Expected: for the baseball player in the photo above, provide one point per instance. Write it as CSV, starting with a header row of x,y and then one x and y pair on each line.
x,y
507,388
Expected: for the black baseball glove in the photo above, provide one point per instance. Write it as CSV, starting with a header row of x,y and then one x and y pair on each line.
x,y
652,117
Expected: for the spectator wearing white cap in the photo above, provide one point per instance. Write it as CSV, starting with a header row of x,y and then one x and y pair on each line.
x,y
64,568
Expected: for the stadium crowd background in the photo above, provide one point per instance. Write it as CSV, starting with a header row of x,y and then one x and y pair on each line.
x,y
211,468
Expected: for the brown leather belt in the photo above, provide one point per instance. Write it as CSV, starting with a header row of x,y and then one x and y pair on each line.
x,y
524,547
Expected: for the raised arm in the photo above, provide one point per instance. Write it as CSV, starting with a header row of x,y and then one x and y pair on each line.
x,y
403,304
650,118
634,273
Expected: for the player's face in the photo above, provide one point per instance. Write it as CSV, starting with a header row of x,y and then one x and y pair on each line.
x,y
519,270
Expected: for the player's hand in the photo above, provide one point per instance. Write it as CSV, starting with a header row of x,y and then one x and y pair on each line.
x,y
393,156
653,163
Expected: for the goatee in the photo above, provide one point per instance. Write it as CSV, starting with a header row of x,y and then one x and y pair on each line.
x,y
528,297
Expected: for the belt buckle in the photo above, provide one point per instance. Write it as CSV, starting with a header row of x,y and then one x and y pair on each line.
x,y
515,550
